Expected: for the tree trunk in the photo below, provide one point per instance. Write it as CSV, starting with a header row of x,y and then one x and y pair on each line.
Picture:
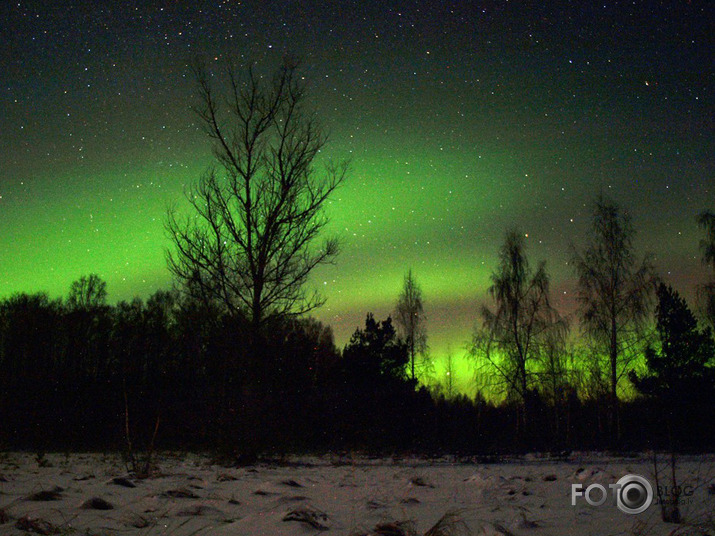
x,y
613,410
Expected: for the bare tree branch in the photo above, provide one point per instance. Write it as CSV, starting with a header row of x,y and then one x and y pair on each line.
x,y
250,241
614,291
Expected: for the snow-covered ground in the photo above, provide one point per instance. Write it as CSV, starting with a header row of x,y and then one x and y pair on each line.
x,y
90,494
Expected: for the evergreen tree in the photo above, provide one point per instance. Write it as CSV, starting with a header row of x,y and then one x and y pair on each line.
x,y
681,369
375,354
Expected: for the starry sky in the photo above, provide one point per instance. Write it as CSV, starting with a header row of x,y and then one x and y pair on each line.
x,y
460,119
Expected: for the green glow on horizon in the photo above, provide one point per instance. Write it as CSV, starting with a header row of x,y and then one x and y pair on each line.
x,y
456,131
439,214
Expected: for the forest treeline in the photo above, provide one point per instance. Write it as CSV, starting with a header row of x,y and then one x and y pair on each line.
x,y
78,373
232,360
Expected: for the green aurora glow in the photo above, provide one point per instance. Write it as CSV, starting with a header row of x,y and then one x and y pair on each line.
x,y
510,120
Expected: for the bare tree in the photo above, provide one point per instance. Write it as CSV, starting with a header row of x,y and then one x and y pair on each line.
x,y
449,373
554,376
251,240
706,221
614,291
410,319
88,315
706,291
87,292
518,330
554,368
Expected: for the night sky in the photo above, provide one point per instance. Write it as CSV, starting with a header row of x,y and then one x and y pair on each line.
x,y
461,120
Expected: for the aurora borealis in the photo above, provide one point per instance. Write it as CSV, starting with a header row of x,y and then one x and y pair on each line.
x,y
460,119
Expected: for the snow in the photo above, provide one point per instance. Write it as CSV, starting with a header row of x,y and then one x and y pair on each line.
x,y
333,495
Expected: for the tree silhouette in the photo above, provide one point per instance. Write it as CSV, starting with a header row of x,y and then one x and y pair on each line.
x,y
678,377
514,332
554,375
88,292
251,241
614,291
706,291
449,373
375,388
88,324
31,361
678,370
375,353
410,319
706,221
